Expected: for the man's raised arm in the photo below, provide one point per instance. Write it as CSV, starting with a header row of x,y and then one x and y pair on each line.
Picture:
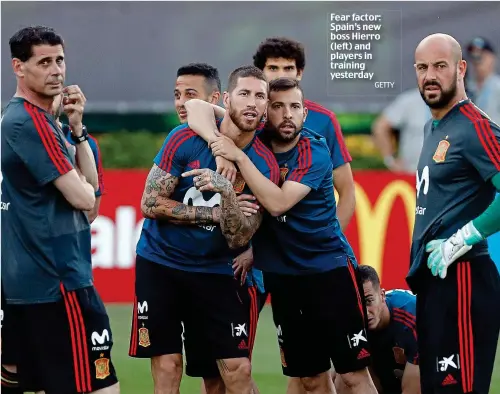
x,y
157,204
237,228
201,118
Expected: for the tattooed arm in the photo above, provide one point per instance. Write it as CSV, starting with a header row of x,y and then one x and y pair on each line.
x,y
236,227
156,202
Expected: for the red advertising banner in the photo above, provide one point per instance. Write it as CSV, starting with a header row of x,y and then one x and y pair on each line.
x,y
380,232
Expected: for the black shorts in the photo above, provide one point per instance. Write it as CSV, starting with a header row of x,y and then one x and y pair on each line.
x,y
458,326
320,319
203,367
8,335
64,347
216,319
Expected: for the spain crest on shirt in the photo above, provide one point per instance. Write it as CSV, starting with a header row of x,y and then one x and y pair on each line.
x,y
441,150
283,174
399,355
239,183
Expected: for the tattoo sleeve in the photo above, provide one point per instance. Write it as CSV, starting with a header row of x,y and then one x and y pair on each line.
x,y
156,202
236,227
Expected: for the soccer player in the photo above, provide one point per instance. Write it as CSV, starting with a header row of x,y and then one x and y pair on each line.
x,y
201,81
452,274
392,337
284,57
183,273
94,146
196,81
46,250
301,249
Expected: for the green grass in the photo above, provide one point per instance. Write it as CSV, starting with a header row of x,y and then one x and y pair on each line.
x,y
135,375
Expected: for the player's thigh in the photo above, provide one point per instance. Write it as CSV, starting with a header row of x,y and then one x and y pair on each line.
x,y
457,348
342,304
216,315
156,320
300,342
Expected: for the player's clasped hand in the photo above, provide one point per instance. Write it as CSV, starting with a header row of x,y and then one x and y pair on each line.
x,y
208,180
226,168
246,204
443,252
225,147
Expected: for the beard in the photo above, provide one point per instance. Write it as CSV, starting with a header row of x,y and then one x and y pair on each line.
x,y
275,133
439,98
244,124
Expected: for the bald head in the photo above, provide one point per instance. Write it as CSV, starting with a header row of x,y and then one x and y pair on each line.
x,y
440,70
443,44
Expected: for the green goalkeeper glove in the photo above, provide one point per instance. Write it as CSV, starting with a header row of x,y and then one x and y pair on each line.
x,y
443,252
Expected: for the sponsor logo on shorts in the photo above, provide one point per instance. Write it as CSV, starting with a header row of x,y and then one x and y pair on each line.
x,y
448,380
144,336
142,307
356,339
239,330
363,354
102,367
399,355
100,339
452,361
243,345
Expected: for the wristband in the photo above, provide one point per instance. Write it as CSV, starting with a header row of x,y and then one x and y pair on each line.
x,y
83,137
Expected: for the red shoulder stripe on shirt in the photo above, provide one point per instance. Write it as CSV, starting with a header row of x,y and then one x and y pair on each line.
x,y
336,126
49,140
269,158
484,133
172,145
406,314
100,174
304,159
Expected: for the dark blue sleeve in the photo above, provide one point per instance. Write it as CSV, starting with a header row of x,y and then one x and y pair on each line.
x,y
481,142
41,148
335,140
407,333
313,163
94,145
176,151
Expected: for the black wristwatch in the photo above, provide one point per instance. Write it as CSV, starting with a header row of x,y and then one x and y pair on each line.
x,y
83,137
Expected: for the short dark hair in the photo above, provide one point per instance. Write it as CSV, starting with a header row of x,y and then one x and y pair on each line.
x,y
244,72
275,47
23,41
285,83
368,274
210,73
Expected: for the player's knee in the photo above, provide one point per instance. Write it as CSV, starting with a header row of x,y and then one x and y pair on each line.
x,y
167,367
317,383
355,379
10,383
236,371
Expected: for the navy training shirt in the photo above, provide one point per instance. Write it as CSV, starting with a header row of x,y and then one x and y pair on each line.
x,y
45,241
396,344
196,248
306,239
459,157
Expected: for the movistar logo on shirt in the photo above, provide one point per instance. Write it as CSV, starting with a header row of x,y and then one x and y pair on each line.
x,y
422,185
3,205
195,198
